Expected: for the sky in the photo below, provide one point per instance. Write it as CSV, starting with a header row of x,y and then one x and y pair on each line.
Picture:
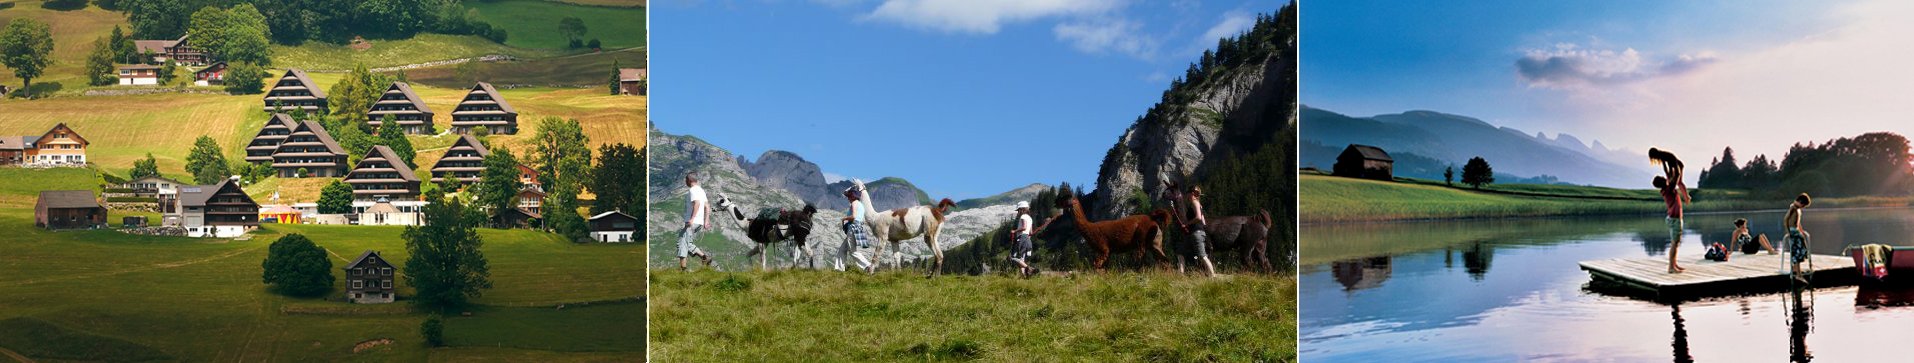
x,y
965,98
1689,76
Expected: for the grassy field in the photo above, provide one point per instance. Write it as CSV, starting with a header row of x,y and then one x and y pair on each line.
x,y
1328,199
322,56
534,24
833,316
73,35
201,300
589,70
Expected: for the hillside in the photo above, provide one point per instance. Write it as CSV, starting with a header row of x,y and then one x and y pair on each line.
x,y
673,156
201,299
1328,199
1449,139
1013,196
831,316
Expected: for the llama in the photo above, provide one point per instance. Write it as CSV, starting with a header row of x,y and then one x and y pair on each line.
x,y
901,224
773,225
1140,233
1246,235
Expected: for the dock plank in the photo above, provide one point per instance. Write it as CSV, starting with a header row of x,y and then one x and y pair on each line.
x,y
1652,272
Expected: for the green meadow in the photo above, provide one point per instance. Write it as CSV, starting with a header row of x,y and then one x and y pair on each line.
x,y
110,296
1330,199
806,315
534,24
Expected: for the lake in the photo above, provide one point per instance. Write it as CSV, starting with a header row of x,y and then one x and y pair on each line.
x,y
1510,290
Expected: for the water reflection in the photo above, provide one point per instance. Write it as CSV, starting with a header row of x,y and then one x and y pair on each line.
x,y
1409,298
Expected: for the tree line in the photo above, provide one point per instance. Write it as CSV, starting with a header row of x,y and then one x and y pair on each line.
x,y
1875,163
293,22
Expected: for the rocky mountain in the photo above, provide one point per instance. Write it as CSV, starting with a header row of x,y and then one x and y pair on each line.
x,y
674,156
803,178
1025,193
1453,139
1227,106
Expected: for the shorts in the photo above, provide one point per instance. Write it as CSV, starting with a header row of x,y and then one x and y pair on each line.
x,y
1021,249
685,248
1797,245
1199,239
1674,231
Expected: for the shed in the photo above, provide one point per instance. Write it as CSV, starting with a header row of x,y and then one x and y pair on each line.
x,y
613,226
1366,162
68,209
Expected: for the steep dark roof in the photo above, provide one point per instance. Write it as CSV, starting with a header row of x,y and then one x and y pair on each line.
x,y
310,85
467,139
197,195
612,213
68,199
155,46
410,96
325,137
493,92
1370,152
391,157
362,259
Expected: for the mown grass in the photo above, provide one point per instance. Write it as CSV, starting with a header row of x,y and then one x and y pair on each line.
x,y
41,339
589,70
621,328
835,316
534,24
73,35
201,299
322,56
1329,199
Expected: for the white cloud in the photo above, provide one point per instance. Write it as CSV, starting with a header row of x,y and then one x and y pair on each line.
x,y
1107,36
981,16
1568,66
1234,22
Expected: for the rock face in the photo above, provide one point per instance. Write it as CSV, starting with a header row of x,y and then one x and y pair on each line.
x,y
721,173
886,194
804,179
1236,111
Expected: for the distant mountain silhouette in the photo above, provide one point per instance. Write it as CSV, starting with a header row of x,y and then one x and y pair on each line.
x,y
1425,137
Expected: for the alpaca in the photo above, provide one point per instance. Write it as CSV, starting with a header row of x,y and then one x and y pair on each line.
x,y
901,224
1140,233
1246,235
773,225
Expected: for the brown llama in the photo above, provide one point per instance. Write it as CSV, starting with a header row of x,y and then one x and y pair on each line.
x,y
1247,236
1138,233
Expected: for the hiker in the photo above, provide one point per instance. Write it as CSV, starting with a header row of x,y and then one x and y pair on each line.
x,y
1747,242
1797,237
697,213
1195,224
856,235
1020,241
1674,193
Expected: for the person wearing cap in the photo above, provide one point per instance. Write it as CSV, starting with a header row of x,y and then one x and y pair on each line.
x,y
1020,241
856,236
696,217
1195,223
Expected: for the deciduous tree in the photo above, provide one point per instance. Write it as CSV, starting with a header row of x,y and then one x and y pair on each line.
x,y
446,268
206,163
26,46
295,266
1477,172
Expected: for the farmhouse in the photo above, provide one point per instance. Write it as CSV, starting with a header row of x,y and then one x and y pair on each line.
x,y
633,81
483,106
369,279
296,91
381,175
164,191
516,218
13,149
68,209
613,226
211,75
60,146
383,213
401,105
260,150
462,162
309,152
1364,161
531,195
179,50
139,75
220,210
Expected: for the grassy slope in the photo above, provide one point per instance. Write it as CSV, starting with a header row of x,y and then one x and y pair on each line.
x,y
1327,199
832,316
201,300
589,70
534,24
73,35
322,56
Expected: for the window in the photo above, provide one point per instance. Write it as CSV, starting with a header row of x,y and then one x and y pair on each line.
x,y
358,284
385,284
386,271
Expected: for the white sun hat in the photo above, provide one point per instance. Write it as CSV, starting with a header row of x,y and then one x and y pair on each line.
x,y
1023,205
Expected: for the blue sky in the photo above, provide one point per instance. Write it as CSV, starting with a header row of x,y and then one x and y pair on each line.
x,y
965,98
1693,76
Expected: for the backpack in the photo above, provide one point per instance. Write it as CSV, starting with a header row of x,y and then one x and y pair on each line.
x,y
1717,252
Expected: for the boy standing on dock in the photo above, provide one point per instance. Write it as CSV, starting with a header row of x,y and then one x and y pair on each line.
x,y
1674,193
1797,238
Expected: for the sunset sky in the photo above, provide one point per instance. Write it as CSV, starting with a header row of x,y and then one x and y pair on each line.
x,y
1691,76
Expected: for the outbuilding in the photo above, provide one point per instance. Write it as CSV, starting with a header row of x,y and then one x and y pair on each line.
x,y
68,209
1366,162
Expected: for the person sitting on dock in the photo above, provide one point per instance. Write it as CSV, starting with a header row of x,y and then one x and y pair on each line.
x,y
1797,237
1747,242
1673,193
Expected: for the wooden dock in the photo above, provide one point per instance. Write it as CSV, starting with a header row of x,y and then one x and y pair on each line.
x,y
1741,274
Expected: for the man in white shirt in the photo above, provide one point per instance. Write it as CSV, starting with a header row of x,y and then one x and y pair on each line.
x,y
697,214
1020,241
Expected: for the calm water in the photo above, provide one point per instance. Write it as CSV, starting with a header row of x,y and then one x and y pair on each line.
x,y
1511,291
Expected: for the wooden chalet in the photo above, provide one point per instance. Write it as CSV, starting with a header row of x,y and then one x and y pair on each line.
x,y
310,149
13,149
483,106
295,90
138,74
613,226
212,75
68,209
220,210
381,175
516,218
260,150
401,105
178,50
463,161
59,146
1366,162
633,81
369,279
